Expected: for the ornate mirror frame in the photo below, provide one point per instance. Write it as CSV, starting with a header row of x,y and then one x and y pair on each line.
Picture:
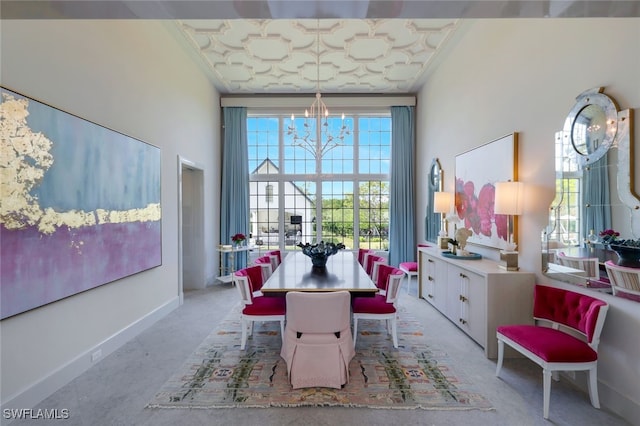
x,y
598,114
435,184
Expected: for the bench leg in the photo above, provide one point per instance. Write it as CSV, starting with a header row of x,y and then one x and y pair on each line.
x,y
593,387
546,392
500,356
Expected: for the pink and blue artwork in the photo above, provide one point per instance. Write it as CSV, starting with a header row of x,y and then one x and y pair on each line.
x,y
80,205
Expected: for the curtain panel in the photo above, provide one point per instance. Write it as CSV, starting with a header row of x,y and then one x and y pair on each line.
x,y
402,240
234,205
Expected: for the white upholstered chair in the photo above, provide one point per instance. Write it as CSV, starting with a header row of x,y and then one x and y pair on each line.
x,y
318,344
590,265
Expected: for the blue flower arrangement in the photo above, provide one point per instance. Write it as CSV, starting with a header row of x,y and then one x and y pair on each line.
x,y
319,253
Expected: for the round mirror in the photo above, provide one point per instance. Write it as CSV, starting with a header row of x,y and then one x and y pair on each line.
x,y
591,125
588,129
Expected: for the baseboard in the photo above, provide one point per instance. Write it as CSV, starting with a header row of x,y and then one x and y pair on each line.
x,y
42,389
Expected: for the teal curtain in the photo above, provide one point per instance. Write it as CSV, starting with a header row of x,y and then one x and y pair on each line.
x,y
596,195
402,238
234,205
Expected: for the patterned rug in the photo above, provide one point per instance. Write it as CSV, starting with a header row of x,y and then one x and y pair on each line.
x,y
220,375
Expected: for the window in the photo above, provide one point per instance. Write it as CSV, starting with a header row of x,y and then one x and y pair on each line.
x,y
567,218
340,188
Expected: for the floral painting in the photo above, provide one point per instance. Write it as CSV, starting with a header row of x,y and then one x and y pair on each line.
x,y
477,171
80,205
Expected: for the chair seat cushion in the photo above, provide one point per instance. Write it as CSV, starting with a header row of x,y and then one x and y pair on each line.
x,y
549,344
409,266
265,305
372,305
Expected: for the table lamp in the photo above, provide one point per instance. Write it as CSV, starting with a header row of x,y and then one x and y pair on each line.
x,y
442,205
509,201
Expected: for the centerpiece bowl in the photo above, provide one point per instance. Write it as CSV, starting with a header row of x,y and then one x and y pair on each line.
x,y
319,253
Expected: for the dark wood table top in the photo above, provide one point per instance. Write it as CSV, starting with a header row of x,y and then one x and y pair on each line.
x,y
296,273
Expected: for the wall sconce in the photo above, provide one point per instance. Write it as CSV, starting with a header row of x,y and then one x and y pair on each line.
x,y
509,201
442,205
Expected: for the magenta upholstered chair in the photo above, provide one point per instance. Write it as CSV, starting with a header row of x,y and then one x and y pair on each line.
x,y
548,344
411,268
318,345
265,263
361,255
256,308
370,260
380,307
276,258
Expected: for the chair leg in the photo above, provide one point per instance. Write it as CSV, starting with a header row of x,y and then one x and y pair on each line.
x,y
546,392
500,356
243,339
593,387
355,330
394,334
282,330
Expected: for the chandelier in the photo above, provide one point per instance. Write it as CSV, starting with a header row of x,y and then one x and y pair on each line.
x,y
322,140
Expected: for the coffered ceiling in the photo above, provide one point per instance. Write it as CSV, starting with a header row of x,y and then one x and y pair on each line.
x,y
297,56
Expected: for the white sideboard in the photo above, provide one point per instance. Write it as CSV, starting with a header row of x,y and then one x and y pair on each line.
x,y
476,295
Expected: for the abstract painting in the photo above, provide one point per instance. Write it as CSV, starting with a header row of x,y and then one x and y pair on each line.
x,y
80,205
477,171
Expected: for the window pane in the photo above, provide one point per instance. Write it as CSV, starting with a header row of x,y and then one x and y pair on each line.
x,y
374,215
299,200
337,213
262,143
263,218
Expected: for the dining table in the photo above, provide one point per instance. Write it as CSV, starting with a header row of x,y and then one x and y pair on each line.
x,y
297,273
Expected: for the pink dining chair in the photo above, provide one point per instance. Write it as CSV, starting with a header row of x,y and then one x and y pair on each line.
x,y
267,267
256,308
276,258
380,307
318,344
361,255
370,261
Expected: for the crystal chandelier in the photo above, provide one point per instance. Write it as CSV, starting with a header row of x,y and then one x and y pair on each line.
x,y
323,140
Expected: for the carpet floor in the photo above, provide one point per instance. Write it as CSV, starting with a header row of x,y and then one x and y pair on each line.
x,y
416,375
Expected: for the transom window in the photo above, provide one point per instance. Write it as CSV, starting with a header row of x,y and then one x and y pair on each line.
x,y
339,187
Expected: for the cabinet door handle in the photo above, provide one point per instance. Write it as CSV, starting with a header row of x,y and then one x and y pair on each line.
x,y
462,321
462,298
430,260
463,275
430,278
430,296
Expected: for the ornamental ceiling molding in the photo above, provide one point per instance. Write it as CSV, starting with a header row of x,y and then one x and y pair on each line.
x,y
279,56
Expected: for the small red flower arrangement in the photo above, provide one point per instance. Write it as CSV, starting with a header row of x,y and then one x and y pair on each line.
x,y
238,238
608,235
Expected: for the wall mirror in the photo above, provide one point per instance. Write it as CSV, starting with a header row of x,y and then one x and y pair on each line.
x,y
594,191
435,184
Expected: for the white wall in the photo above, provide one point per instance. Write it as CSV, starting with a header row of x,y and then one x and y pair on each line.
x,y
503,76
130,76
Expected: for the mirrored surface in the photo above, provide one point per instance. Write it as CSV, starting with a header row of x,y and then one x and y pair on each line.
x,y
592,193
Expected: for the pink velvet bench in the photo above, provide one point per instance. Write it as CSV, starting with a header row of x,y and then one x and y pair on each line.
x,y
548,343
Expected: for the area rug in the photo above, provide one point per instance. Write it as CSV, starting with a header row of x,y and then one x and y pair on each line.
x,y
416,375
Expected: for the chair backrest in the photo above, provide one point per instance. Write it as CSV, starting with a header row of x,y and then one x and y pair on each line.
x,y
382,280
371,259
241,280
394,281
361,253
278,256
579,312
623,279
267,267
375,271
256,278
590,265
309,312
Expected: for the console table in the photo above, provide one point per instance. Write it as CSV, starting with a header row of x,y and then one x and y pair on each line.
x,y
226,272
476,295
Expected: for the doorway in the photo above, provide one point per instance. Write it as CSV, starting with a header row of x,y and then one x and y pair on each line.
x,y
191,226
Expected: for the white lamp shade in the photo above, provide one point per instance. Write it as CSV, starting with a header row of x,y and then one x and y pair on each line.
x,y
509,198
441,202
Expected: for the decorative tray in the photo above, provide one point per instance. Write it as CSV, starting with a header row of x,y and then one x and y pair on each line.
x,y
471,256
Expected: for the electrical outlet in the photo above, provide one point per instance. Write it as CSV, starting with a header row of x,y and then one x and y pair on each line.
x,y
96,355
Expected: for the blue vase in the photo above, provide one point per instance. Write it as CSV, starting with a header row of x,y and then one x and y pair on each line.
x,y
319,261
